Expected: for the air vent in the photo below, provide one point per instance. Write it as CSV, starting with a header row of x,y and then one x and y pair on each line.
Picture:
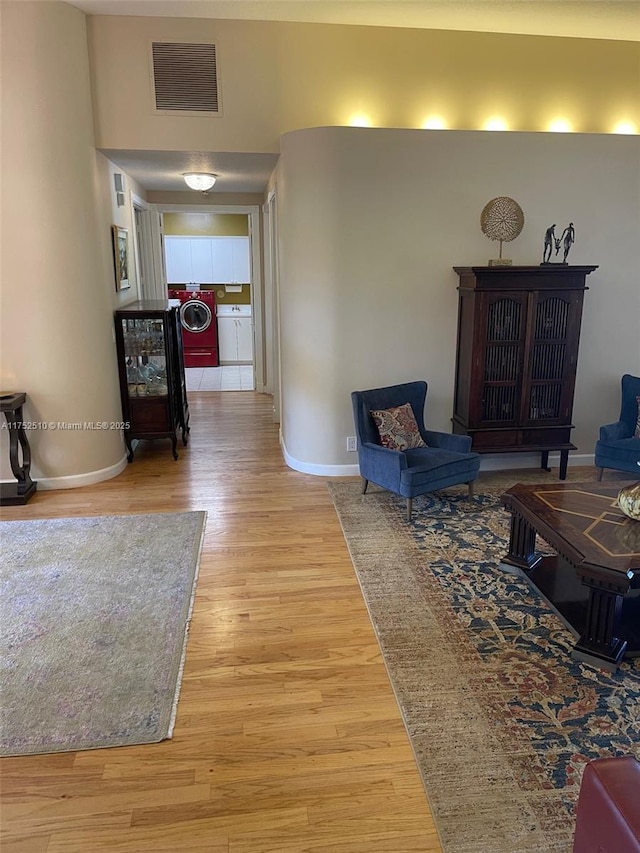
x,y
185,77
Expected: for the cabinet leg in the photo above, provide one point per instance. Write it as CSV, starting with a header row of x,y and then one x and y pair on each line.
x,y
564,460
174,446
127,441
544,460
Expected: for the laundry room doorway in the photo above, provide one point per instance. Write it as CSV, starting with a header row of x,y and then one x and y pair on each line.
x,y
212,266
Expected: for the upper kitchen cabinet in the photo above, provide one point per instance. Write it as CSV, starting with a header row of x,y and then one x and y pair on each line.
x,y
207,260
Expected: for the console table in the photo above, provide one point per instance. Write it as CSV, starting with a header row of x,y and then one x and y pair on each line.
x,y
593,582
12,494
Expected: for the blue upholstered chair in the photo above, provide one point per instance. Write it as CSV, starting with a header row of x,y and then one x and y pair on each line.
x,y
618,446
446,461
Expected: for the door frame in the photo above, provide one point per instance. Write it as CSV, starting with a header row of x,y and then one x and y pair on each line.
x,y
260,368
147,250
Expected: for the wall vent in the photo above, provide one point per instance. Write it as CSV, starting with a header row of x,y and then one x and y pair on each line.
x,y
185,77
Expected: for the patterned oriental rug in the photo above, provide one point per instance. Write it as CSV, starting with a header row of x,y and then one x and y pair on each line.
x,y
94,614
500,718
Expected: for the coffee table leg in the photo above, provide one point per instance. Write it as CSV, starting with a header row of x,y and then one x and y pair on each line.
x,y
522,544
599,643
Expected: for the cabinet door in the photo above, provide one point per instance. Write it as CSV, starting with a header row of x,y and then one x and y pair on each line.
x,y
227,339
502,324
244,326
550,377
201,260
241,260
177,252
222,260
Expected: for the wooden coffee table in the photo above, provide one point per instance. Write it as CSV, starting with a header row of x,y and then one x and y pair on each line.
x,y
593,581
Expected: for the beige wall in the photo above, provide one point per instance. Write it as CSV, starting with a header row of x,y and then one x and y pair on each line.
x,y
371,224
57,268
278,77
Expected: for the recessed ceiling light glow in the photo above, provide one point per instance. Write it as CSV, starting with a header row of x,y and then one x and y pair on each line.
x,y
202,181
625,127
495,123
359,120
559,125
434,122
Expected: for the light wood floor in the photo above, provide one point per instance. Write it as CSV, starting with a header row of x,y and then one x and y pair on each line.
x,y
288,737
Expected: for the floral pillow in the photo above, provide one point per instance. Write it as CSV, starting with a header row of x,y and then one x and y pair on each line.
x,y
637,432
397,427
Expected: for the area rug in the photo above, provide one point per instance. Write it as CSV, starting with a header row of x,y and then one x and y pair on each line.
x,y
500,718
94,614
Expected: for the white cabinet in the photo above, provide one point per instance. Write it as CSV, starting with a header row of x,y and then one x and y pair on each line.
x,y
235,337
177,252
241,260
244,337
207,260
201,261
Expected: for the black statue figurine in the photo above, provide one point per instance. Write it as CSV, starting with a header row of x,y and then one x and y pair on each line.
x,y
569,236
549,239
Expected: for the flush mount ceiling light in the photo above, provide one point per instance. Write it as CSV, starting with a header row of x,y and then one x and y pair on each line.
x,y
202,181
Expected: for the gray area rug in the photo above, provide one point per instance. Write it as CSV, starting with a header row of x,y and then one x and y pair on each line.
x,y
94,614
501,720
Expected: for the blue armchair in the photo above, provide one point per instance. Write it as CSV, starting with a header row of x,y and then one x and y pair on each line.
x,y
446,461
618,446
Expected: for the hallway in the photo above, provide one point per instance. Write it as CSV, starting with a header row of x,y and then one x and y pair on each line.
x,y
288,737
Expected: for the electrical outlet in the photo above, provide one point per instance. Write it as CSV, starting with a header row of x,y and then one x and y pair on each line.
x,y
351,442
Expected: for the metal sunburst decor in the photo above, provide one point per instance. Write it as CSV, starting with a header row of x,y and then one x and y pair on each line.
x,y
501,219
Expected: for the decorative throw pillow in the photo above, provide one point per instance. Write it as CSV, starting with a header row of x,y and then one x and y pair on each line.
x,y
637,432
397,427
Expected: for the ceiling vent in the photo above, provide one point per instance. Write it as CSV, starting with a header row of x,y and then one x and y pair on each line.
x,y
185,78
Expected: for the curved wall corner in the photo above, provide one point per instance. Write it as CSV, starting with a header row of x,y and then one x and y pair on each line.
x,y
372,222
57,283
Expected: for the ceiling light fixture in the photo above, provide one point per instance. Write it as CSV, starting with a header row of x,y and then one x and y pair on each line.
x,y
202,181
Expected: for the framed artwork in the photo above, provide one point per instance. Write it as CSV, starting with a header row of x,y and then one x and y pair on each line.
x,y
121,256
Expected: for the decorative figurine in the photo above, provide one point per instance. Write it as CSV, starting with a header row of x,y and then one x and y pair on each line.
x,y
501,219
551,242
569,236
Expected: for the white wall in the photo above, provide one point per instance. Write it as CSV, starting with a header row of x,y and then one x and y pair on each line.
x,y
58,289
372,222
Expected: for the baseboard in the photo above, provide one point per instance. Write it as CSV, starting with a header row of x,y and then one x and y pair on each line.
x,y
488,462
75,481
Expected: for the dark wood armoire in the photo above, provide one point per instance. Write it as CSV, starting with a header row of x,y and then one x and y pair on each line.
x,y
517,354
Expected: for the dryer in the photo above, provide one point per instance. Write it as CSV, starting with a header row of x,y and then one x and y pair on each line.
x,y
199,329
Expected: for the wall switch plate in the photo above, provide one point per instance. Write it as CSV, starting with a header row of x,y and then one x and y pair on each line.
x,y
351,442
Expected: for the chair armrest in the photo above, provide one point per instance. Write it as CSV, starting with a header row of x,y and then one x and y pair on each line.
x,y
448,441
614,432
381,465
384,455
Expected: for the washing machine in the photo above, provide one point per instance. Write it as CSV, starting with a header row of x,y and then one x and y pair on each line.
x,y
199,329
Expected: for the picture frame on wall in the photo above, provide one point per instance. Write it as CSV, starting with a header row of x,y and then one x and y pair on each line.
x,y
121,256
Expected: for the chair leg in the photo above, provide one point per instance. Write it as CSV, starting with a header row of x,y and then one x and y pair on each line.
x,y
365,483
471,489
600,473
409,508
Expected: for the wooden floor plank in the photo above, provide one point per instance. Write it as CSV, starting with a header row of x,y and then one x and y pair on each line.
x,y
288,737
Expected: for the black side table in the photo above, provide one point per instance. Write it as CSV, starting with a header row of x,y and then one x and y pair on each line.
x,y
12,494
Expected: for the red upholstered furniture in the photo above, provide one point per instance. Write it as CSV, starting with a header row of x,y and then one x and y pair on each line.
x,y
608,817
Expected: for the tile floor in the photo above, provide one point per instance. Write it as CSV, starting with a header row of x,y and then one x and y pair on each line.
x,y
230,377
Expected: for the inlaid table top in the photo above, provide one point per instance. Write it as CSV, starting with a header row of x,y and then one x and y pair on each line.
x,y
583,521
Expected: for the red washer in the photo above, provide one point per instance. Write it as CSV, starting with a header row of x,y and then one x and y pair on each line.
x,y
199,329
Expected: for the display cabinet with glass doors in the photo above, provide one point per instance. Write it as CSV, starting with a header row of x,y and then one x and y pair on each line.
x,y
151,370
